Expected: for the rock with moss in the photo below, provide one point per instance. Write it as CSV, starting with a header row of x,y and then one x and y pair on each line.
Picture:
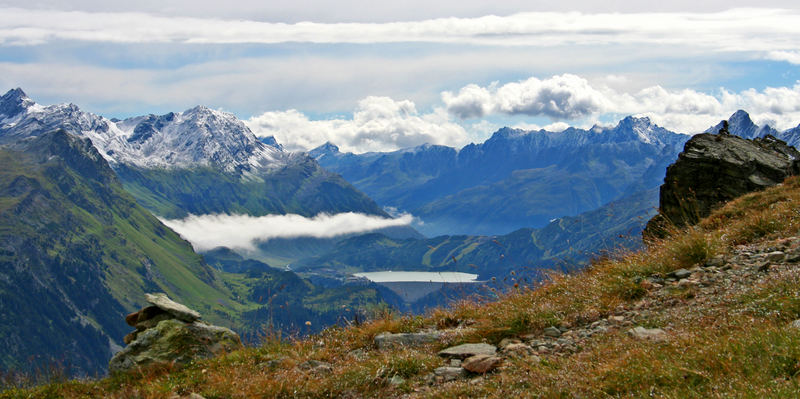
x,y
163,338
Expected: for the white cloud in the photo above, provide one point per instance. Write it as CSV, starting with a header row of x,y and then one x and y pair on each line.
x,y
572,98
792,57
472,101
243,231
378,124
745,29
553,127
560,97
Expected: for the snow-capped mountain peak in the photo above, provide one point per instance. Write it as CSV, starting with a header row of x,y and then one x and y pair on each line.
x,y
198,136
641,126
326,149
13,103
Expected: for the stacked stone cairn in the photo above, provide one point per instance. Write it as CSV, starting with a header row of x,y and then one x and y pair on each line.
x,y
169,333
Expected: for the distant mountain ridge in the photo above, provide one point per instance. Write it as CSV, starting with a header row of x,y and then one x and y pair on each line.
x,y
514,179
197,161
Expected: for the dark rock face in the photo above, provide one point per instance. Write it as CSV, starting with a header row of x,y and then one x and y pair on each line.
x,y
714,169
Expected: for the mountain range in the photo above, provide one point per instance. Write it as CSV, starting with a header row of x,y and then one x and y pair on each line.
x,y
80,242
198,161
514,179
78,250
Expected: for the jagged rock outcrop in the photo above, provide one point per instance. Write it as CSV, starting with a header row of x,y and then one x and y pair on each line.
x,y
170,333
714,169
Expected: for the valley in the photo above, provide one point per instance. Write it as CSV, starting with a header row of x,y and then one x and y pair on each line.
x,y
541,211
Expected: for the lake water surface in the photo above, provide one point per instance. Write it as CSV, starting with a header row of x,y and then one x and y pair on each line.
x,y
427,277
412,286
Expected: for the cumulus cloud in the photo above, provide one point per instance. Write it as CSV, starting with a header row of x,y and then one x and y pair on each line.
x,y
378,124
559,97
572,98
243,231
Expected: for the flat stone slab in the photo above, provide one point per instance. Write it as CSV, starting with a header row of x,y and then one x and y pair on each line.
x,y
181,312
467,350
654,334
680,274
388,340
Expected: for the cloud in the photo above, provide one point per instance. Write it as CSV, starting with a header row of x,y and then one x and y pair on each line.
x,y
560,97
243,231
553,127
745,29
792,57
572,98
378,124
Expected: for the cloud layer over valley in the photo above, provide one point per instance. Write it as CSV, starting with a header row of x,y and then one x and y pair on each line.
x,y
243,232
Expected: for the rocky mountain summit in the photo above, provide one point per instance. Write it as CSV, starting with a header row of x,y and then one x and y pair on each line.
x,y
168,332
714,169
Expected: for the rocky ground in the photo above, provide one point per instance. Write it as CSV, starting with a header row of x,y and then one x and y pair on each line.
x,y
688,294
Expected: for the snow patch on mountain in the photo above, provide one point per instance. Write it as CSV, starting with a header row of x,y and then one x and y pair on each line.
x,y
196,137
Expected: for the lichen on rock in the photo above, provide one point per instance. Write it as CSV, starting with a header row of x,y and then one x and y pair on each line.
x,y
162,338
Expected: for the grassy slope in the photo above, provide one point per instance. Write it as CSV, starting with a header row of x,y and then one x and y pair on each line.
x,y
75,243
734,345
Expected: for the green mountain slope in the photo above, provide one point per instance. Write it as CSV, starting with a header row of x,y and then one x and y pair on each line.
x,y
302,188
77,253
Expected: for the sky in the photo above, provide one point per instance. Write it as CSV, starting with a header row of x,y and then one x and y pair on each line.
x,y
379,76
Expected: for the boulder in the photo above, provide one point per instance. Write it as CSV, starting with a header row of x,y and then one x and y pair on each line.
x,y
714,169
467,350
481,363
181,312
680,274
